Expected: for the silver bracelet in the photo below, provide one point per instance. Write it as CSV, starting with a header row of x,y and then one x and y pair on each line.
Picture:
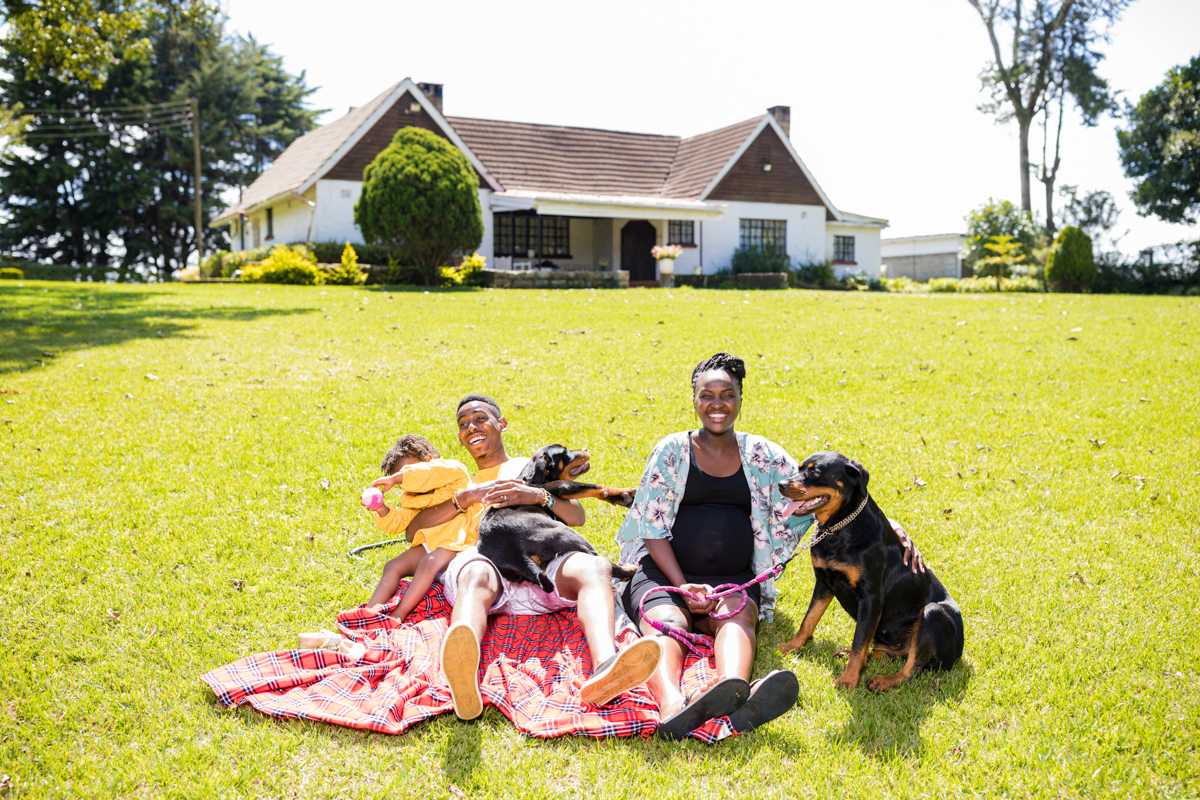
x,y
549,502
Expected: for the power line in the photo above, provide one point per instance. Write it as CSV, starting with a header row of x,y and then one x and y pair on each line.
x,y
109,109
85,123
87,134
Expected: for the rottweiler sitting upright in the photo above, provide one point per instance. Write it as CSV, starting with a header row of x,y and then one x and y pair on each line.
x,y
519,540
859,560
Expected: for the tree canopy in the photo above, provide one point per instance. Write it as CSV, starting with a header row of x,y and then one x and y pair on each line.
x,y
422,194
77,40
996,218
1051,57
1160,149
122,194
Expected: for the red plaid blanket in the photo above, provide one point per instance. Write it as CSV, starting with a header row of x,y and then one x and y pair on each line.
x,y
531,668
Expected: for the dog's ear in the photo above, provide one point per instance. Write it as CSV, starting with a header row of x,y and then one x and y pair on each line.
x,y
858,472
534,473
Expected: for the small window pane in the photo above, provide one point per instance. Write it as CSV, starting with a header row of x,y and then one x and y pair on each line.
x,y
765,235
843,248
681,232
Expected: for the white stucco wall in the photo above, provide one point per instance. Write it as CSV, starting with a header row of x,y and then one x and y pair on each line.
x,y
806,241
291,218
866,248
923,245
335,212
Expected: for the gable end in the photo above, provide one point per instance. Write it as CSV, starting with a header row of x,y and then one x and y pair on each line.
x,y
785,183
372,143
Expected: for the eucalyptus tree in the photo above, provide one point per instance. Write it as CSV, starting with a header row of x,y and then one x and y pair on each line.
x,y
1047,55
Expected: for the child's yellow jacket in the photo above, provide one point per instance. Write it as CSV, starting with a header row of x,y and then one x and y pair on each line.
x,y
427,484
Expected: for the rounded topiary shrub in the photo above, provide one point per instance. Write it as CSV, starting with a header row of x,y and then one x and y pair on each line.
x,y
421,194
1071,267
11,274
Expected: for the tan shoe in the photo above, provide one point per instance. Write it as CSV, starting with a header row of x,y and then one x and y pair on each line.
x,y
460,665
354,651
628,669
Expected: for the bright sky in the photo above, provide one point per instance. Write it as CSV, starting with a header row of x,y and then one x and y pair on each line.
x,y
883,93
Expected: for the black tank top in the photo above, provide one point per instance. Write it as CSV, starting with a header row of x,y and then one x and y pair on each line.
x,y
712,534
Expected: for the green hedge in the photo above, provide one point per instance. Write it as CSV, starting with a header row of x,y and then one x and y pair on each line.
x,y
33,271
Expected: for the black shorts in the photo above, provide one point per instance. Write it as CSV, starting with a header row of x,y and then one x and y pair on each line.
x,y
649,576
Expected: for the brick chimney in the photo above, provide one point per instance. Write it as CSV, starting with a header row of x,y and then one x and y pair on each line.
x,y
782,115
433,91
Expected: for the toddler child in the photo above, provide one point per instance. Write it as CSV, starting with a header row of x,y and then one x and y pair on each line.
x,y
427,480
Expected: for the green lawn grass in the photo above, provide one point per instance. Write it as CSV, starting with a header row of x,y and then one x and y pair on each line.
x,y
162,444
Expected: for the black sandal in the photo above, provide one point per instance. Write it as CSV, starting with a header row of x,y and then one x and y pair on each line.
x,y
721,699
774,696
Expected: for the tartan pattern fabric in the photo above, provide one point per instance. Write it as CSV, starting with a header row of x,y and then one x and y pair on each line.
x,y
531,670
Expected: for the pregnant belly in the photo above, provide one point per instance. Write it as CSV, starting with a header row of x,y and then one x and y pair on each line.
x,y
712,540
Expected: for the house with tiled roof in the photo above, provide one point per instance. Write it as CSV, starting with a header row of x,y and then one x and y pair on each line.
x,y
573,198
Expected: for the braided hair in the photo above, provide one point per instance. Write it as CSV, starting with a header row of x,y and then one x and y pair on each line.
x,y
723,362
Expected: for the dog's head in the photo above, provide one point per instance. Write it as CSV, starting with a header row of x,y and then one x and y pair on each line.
x,y
555,463
826,483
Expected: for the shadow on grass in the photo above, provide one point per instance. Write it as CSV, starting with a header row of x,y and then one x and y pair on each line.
x,y
37,326
887,725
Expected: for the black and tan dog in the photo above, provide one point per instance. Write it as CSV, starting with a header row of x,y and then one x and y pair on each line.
x,y
898,613
519,540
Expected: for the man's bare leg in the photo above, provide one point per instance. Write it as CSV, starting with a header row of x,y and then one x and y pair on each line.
x,y
588,581
478,588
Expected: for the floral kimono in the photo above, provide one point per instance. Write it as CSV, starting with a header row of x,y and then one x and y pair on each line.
x,y
661,489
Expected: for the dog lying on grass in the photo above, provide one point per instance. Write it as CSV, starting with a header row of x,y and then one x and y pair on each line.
x,y
858,559
520,539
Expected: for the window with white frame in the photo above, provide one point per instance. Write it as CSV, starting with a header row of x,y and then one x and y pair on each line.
x,y
681,231
766,235
843,249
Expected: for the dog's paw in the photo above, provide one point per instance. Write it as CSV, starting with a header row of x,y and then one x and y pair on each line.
x,y
843,653
881,683
620,497
845,682
792,646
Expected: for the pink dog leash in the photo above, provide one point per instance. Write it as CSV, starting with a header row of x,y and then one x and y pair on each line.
x,y
689,639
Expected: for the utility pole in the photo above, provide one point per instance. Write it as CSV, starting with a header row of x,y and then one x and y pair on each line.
x,y
199,212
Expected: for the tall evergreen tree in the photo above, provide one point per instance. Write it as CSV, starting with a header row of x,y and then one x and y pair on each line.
x,y
124,197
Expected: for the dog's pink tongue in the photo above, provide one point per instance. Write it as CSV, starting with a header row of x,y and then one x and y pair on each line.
x,y
791,507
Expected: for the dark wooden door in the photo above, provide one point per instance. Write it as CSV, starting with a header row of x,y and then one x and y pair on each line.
x,y
637,239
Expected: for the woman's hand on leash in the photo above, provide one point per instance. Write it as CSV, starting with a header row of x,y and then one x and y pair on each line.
x,y
701,590
911,553
503,494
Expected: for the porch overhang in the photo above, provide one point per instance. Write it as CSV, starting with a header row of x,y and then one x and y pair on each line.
x,y
614,206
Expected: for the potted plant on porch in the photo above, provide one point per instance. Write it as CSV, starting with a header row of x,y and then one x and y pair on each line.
x,y
666,255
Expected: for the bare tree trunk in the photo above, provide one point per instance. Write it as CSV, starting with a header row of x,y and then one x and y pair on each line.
x,y
1026,195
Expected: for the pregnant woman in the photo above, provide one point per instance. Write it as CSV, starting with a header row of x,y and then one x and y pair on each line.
x,y
708,511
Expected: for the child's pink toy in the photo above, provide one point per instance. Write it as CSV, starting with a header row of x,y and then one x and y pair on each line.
x,y
372,499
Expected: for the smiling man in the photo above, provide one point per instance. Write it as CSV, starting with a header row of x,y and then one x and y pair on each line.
x,y
475,588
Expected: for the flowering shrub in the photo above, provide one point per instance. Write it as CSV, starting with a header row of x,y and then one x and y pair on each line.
x,y
666,251
961,285
349,273
284,265
468,273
